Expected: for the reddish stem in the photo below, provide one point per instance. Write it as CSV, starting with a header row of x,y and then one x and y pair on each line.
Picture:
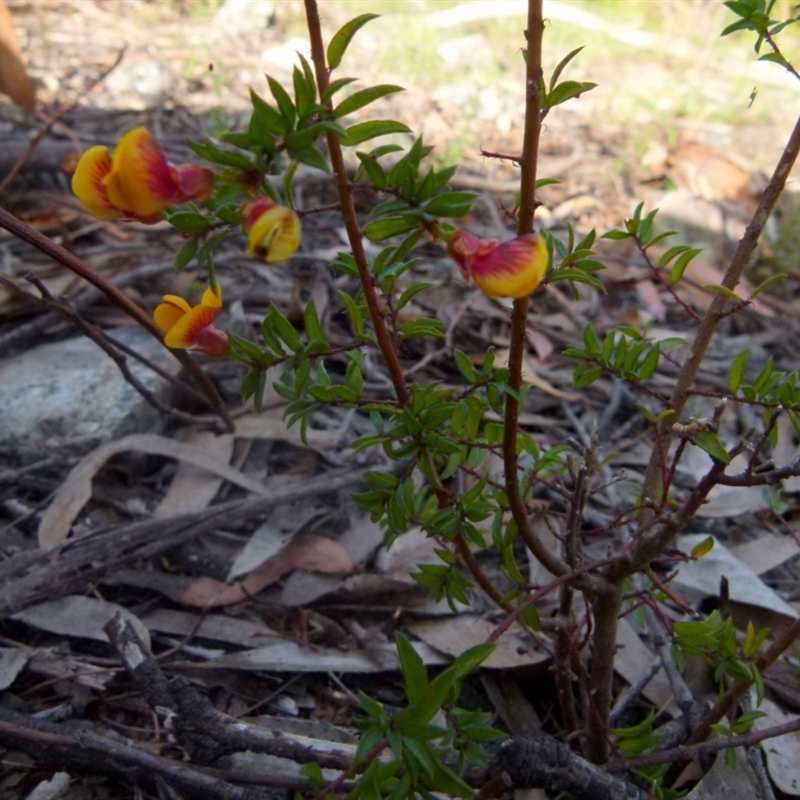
x,y
349,214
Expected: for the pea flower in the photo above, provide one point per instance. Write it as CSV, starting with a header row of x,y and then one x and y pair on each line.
x,y
273,231
509,269
136,182
190,328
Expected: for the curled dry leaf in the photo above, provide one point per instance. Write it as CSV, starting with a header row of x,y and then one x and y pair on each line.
x,y
309,552
76,490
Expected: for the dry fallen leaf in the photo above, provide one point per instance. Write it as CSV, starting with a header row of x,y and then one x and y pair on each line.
x,y
309,552
76,490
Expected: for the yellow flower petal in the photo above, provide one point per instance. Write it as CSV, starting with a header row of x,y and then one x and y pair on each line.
x,y
167,315
89,186
275,235
211,298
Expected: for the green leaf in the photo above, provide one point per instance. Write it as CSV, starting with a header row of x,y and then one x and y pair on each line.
x,y
313,328
382,229
313,158
363,131
764,285
777,58
411,292
560,66
616,235
335,86
186,253
285,330
288,177
724,291
342,38
364,97
671,253
373,169
305,92
702,549
566,91
709,441
679,267
415,676
584,376
590,341
451,204
736,372
465,366
303,139
650,364
272,119
285,104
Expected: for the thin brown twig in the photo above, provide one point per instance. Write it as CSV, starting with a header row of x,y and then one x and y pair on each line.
x,y
689,752
527,209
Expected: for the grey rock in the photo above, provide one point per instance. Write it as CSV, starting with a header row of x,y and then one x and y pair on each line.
x,y
66,398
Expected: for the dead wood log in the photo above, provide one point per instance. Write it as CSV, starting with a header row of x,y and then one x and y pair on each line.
x,y
56,745
205,733
543,762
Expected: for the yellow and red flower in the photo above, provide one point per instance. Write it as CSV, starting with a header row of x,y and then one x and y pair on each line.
x,y
190,328
508,269
273,231
136,182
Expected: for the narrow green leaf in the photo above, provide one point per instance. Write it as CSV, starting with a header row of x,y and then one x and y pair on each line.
x,y
465,366
373,169
736,372
679,267
703,549
709,441
363,98
285,330
725,291
288,177
303,139
311,320
671,253
561,64
451,204
272,119
382,229
764,285
363,131
649,365
186,253
335,86
590,340
566,91
304,92
285,104
415,676
342,38
411,292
